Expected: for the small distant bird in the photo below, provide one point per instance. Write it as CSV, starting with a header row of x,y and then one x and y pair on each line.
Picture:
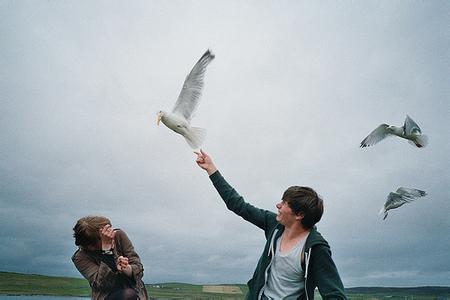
x,y
398,198
179,119
410,131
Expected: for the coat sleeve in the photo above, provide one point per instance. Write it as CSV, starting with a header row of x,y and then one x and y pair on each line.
x,y
127,250
264,219
98,274
325,274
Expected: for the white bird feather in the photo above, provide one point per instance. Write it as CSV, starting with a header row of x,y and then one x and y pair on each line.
x,y
183,111
398,198
410,131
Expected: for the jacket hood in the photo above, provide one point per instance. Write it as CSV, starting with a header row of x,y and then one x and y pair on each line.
x,y
314,239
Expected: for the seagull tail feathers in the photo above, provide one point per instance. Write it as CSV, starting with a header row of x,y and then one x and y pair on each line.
x,y
421,140
195,137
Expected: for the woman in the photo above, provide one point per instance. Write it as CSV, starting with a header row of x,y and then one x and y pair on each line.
x,y
106,258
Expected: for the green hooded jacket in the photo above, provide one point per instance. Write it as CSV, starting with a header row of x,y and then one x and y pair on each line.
x,y
319,268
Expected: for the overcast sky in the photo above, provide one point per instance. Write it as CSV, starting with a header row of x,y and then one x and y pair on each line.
x,y
294,88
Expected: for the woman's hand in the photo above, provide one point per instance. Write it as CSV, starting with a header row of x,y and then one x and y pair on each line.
x,y
107,237
205,162
123,266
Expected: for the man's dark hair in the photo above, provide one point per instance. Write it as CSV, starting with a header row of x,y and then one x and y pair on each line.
x,y
304,200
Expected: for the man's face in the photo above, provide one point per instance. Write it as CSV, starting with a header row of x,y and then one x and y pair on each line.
x,y
285,214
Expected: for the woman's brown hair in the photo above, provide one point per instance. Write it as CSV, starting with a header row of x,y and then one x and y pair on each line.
x,y
86,230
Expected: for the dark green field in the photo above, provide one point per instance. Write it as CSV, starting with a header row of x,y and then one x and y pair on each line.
x,y
29,284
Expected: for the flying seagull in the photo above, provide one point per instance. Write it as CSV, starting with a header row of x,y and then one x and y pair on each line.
x,y
398,198
410,131
179,120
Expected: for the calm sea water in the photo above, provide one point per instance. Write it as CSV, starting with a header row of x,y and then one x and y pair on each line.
x,y
3,297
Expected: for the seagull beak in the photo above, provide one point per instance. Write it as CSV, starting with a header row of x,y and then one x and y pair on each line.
x,y
158,119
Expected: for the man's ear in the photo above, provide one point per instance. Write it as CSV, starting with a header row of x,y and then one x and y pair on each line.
x,y
299,216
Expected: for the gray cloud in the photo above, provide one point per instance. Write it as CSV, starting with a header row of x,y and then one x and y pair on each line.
x,y
293,90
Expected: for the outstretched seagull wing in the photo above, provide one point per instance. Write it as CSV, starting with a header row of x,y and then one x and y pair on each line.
x,y
192,88
375,136
410,193
410,126
394,200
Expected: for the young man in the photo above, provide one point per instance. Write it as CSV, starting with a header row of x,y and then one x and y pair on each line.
x,y
106,258
296,258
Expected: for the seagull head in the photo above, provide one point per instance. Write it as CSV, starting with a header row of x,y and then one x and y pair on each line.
x,y
395,130
159,115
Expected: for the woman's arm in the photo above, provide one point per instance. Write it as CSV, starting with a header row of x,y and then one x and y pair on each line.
x,y
128,257
98,274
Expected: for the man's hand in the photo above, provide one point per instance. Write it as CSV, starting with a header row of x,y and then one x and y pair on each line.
x,y
123,266
205,162
107,237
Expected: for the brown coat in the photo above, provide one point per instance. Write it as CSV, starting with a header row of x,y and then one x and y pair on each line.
x,y
100,276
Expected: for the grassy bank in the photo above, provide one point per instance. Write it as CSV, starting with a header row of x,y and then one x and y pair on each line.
x,y
30,284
